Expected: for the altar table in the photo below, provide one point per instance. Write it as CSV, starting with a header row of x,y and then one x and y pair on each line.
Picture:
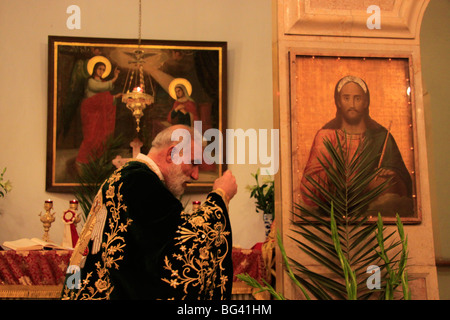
x,y
33,274
40,274
248,261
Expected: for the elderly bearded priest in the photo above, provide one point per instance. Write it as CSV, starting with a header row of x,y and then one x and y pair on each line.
x,y
138,243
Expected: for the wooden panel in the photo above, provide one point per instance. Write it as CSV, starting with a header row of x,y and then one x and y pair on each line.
x,y
399,18
312,104
337,28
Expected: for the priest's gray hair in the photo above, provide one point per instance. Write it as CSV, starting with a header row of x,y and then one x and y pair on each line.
x,y
164,138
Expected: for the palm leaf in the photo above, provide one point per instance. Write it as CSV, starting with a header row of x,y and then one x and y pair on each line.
x,y
337,234
339,237
94,173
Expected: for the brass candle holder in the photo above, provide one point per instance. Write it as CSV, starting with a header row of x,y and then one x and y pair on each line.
x,y
195,205
137,101
47,219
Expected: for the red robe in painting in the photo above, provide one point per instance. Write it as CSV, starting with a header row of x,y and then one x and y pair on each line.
x,y
190,107
98,114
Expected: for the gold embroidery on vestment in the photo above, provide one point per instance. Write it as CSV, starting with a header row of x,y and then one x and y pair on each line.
x,y
111,249
202,262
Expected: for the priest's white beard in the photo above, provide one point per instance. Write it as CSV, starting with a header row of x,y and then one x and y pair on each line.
x,y
175,181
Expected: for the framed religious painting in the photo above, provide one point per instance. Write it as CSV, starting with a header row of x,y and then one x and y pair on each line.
x,y
353,136
109,98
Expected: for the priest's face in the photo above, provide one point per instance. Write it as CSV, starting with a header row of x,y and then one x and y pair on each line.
x,y
353,103
181,174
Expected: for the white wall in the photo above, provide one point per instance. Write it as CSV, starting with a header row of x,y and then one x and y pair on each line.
x,y
24,29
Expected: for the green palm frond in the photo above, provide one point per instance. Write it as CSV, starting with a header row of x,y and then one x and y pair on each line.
x,y
94,173
337,234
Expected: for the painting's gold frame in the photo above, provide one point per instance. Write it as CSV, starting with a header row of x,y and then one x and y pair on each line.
x,y
210,68
312,105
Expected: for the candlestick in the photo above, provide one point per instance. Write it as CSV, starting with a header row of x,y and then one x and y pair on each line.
x,y
73,205
195,205
71,218
47,219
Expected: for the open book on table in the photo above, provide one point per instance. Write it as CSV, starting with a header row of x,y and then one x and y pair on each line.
x,y
32,244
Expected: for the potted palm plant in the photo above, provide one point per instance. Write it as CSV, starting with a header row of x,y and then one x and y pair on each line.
x,y
263,193
95,172
340,236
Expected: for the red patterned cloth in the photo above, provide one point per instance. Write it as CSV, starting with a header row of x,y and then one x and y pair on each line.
x,y
43,267
48,267
248,261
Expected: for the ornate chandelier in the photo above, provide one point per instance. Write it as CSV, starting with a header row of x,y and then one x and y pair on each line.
x,y
135,97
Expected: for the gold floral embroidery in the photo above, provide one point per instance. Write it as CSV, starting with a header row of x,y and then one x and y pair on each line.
x,y
110,192
111,252
199,253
